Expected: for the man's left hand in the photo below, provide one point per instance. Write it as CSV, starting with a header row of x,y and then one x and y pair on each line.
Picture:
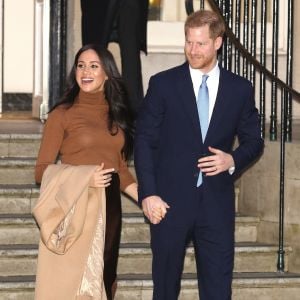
x,y
214,164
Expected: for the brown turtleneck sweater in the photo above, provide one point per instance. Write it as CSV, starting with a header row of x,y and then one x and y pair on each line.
x,y
80,136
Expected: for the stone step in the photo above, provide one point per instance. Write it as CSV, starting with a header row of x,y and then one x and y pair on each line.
x,y
249,257
20,170
129,205
136,229
22,229
137,258
246,286
19,145
17,170
18,260
17,287
20,199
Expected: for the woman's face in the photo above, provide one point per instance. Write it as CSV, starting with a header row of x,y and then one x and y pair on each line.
x,y
90,75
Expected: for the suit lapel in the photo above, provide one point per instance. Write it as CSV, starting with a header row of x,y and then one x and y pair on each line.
x,y
219,108
187,97
188,100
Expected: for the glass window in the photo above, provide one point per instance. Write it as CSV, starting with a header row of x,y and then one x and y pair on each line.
x,y
154,10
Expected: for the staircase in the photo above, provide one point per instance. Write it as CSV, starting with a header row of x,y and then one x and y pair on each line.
x,y
255,263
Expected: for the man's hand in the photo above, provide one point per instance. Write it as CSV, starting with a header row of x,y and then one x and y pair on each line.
x,y
214,164
154,208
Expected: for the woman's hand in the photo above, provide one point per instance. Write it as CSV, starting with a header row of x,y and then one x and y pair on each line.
x,y
101,177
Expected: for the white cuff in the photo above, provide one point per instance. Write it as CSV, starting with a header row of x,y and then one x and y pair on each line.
x,y
231,170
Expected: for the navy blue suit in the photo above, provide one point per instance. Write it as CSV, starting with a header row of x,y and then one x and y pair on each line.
x,y
168,145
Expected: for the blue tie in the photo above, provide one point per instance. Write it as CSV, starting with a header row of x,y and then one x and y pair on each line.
x,y
203,106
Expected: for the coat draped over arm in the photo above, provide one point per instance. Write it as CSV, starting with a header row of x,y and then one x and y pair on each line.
x,y
71,217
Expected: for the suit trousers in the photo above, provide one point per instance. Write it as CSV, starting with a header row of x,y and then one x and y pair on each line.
x,y
213,243
112,235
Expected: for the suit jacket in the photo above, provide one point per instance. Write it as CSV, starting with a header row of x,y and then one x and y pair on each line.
x,y
70,261
168,140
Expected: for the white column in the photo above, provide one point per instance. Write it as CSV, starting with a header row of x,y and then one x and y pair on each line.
x,y
40,96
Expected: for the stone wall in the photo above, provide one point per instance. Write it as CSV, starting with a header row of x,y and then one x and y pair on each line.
x,y
259,195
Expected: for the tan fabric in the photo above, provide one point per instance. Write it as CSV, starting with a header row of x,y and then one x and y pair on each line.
x,y
71,217
79,136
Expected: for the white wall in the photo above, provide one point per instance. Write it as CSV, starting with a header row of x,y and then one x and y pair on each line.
x,y
18,46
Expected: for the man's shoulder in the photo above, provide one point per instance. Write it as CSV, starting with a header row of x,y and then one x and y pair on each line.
x,y
171,72
235,78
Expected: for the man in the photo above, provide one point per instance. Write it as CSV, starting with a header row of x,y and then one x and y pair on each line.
x,y
187,165
125,22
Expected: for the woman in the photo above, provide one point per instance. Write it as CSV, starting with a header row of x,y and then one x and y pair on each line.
x,y
92,125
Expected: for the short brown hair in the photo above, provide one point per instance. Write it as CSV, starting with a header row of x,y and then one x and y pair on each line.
x,y
206,17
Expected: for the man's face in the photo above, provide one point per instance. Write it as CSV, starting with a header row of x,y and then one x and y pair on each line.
x,y
200,49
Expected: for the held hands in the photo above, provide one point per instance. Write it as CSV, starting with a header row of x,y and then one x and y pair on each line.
x,y
101,177
154,208
214,164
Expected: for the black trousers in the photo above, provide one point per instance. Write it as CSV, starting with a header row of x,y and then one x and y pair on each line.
x,y
112,235
129,20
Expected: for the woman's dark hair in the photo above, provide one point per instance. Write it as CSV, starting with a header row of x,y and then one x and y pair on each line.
x,y
120,114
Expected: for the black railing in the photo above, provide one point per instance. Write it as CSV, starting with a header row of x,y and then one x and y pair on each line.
x,y
245,56
289,70
58,49
262,81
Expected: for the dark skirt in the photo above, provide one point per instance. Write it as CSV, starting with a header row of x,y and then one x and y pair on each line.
x,y
112,234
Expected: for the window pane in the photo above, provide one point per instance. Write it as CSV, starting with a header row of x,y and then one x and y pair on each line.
x,y
154,10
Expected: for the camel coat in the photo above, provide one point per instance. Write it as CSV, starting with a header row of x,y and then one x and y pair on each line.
x,y
71,218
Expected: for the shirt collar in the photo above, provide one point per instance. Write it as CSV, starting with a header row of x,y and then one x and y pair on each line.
x,y
214,72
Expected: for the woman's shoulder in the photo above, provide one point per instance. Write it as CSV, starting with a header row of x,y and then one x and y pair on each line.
x,y
59,111
58,114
